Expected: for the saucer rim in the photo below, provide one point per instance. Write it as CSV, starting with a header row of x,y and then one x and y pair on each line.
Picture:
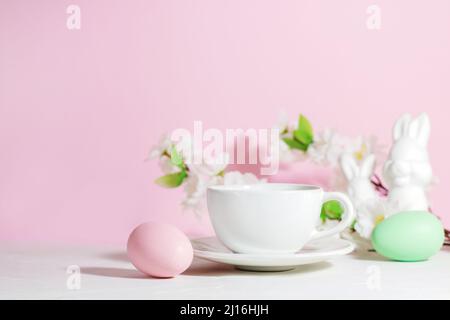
x,y
348,248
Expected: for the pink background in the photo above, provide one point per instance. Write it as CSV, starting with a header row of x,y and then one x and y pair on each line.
x,y
79,110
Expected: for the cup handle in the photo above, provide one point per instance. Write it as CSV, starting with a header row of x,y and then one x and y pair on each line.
x,y
347,217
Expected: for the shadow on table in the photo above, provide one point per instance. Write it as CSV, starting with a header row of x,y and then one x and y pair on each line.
x,y
115,256
113,272
368,255
198,268
203,268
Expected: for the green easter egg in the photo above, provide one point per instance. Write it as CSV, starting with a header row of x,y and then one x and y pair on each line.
x,y
408,236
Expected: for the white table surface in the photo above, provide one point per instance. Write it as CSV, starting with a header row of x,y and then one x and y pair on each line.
x,y
106,273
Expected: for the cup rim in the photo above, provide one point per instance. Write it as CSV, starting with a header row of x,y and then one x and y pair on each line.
x,y
266,187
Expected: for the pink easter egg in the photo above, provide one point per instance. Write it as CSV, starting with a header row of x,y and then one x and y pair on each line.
x,y
159,250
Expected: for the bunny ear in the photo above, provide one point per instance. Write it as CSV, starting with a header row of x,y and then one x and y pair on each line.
x,y
368,166
413,129
424,128
349,166
419,129
401,126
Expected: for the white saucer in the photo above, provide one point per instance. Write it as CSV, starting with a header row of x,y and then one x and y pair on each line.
x,y
316,251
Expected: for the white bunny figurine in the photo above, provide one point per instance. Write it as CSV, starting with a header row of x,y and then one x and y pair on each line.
x,y
408,171
360,189
369,206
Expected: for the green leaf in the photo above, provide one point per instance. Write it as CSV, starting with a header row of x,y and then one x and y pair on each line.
x,y
304,137
295,144
176,158
171,180
305,126
332,210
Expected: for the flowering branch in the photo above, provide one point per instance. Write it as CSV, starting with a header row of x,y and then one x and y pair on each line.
x,y
379,186
195,177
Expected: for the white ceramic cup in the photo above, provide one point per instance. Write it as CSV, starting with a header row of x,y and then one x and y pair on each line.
x,y
271,217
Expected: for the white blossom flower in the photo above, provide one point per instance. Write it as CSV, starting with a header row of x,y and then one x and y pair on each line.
x,y
326,148
210,167
238,178
196,186
283,123
167,166
369,214
163,145
362,146
200,177
195,189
